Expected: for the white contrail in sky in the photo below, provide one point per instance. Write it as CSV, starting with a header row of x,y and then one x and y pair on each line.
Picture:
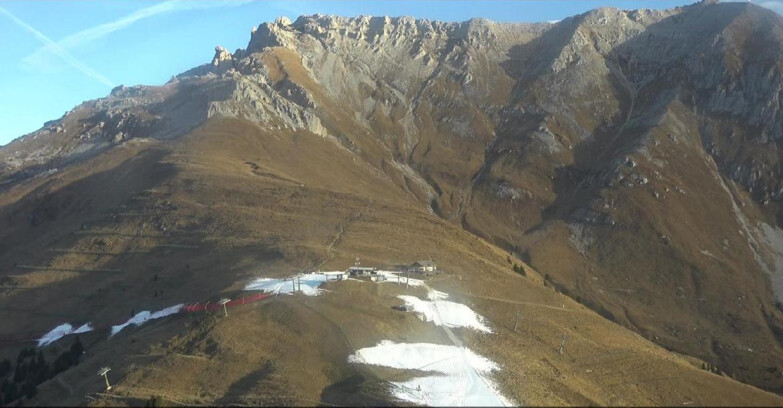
x,y
99,31
59,51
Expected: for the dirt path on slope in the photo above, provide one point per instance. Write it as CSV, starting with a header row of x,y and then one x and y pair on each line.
x,y
519,302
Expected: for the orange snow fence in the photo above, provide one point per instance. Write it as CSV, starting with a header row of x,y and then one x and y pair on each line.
x,y
209,306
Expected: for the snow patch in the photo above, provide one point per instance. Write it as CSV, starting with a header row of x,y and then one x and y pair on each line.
x,y
396,277
445,313
145,316
62,330
458,375
308,283
433,294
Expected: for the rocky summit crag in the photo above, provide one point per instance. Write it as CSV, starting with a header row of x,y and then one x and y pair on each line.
x,y
631,157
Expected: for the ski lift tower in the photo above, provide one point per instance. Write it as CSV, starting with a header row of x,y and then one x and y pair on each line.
x,y
223,302
102,372
357,263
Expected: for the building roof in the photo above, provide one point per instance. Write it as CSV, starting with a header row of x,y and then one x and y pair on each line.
x,y
424,263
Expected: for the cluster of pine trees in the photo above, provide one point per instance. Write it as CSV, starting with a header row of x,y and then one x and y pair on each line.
x,y
711,368
21,380
517,268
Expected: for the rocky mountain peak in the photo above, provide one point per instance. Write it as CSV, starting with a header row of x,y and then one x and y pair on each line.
x,y
582,147
283,20
268,35
223,60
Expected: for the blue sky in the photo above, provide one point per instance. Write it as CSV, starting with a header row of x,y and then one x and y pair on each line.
x,y
57,54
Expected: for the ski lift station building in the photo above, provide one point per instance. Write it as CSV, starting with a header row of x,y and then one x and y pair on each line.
x,y
360,271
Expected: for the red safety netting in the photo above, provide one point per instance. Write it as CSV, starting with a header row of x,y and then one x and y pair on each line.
x,y
209,306
188,308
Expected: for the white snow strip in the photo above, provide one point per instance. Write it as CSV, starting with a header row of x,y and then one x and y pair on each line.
x,y
145,316
459,376
397,277
445,313
56,334
60,331
433,294
87,327
309,283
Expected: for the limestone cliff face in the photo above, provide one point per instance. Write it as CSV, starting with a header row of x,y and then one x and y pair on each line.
x,y
632,155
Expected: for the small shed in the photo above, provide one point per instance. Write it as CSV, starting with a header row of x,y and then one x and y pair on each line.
x,y
423,266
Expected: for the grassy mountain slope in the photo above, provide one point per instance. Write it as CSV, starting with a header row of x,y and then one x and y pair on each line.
x,y
627,158
272,219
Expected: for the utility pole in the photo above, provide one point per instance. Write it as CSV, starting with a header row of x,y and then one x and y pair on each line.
x,y
562,344
293,284
516,320
102,372
223,302
408,278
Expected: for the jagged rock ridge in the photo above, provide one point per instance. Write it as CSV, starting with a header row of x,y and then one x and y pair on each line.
x,y
631,155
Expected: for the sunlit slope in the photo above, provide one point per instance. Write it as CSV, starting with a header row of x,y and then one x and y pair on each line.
x,y
238,202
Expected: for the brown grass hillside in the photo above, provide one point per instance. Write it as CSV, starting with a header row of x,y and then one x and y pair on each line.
x,y
242,202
